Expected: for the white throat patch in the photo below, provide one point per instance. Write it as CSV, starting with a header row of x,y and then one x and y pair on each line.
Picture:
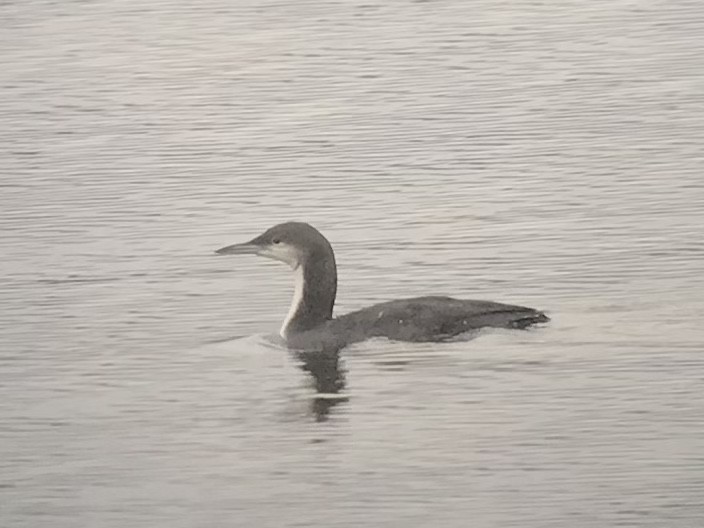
x,y
296,301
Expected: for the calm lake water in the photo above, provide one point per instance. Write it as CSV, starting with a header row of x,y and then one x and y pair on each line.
x,y
540,153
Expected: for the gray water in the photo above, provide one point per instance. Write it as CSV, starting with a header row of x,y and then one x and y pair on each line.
x,y
542,153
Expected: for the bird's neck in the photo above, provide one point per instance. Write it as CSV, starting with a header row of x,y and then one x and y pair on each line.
x,y
313,296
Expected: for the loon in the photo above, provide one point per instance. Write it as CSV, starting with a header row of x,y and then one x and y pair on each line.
x,y
310,325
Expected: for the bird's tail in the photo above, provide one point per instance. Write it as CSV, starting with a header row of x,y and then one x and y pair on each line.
x,y
530,319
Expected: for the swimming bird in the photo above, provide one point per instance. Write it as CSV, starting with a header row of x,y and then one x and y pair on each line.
x,y
310,324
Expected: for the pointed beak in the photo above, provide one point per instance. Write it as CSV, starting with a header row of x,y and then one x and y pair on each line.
x,y
247,248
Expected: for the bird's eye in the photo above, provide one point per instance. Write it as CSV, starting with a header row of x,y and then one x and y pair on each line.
x,y
276,241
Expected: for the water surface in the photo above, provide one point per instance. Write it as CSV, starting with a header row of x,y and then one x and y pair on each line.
x,y
535,153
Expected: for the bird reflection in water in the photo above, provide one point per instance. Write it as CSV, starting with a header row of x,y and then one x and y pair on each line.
x,y
328,378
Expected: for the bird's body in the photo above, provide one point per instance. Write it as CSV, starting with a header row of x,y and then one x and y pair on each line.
x,y
310,324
